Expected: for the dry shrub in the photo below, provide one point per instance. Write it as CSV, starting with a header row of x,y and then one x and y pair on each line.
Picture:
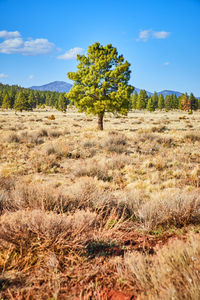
x,y
55,133
191,137
27,236
171,274
13,138
114,143
51,117
178,208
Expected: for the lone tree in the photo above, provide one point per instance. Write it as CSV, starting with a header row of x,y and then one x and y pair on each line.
x,y
101,82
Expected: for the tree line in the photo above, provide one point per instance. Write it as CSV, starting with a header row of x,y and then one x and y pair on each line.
x,y
169,102
19,99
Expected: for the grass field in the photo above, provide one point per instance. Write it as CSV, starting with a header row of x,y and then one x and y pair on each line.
x,y
86,214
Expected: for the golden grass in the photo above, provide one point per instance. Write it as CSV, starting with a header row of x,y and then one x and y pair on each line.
x,y
83,212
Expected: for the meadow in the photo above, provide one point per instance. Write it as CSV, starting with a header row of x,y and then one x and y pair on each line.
x,y
88,214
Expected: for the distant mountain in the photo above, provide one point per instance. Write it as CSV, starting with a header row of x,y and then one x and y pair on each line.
x,y
64,87
55,86
164,93
167,92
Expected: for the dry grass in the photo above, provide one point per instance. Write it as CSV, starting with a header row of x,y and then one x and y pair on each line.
x,y
85,213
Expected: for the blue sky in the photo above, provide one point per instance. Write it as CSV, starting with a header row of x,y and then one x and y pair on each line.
x,y
160,38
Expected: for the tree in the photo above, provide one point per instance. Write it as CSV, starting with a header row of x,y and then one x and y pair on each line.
x,y
168,102
101,82
150,104
62,103
142,99
161,102
134,100
185,101
155,99
6,104
193,102
21,102
32,100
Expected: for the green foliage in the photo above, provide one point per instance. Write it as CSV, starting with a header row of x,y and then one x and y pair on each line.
x,y
101,82
155,100
161,102
22,102
134,98
150,104
193,102
168,102
32,100
62,103
142,100
6,104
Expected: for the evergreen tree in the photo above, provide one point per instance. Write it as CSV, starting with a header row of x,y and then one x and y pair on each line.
x,y
62,102
6,104
142,100
1,99
32,100
175,102
134,100
150,104
193,102
161,102
168,102
155,100
101,82
21,102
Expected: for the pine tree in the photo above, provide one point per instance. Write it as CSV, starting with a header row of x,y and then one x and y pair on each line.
x,y
193,102
62,102
155,100
32,100
21,102
101,82
175,102
142,100
150,104
6,104
134,100
168,102
161,102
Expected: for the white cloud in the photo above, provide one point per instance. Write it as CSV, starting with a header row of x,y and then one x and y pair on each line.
x,y
31,76
166,63
13,43
144,35
2,75
9,34
160,34
71,53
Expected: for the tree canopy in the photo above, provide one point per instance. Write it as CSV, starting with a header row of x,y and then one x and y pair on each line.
x,y
101,82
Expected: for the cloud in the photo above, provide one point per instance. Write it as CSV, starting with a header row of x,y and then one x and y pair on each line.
x,y
166,63
13,43
160,34
144,35
71,53
2,75
31,76
9,34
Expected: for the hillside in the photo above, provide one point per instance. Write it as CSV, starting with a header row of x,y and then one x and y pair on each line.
x,y
62,86
55,86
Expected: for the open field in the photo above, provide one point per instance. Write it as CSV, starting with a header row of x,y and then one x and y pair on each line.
x,y
86,214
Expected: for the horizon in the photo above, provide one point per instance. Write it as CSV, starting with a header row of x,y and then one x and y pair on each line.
x,y
159,39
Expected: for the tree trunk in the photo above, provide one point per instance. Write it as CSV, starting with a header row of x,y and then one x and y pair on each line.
x,y
100,121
